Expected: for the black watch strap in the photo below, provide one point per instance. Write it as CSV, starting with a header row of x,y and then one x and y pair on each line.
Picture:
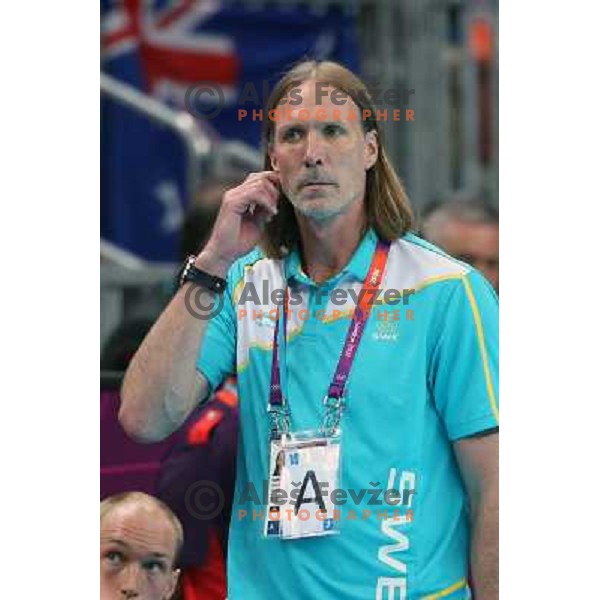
x,y
189,272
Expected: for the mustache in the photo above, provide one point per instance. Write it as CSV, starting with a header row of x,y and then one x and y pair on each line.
x,y
315,178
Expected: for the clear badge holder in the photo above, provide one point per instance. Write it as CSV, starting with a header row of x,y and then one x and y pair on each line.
x,y
305,467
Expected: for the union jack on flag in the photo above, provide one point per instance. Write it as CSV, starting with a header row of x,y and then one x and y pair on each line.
x,y
173,51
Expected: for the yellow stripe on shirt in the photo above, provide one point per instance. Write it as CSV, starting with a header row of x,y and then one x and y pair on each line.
x,y
446,592
482,348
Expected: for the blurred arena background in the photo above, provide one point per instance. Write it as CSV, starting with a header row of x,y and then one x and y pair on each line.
x,y
164,166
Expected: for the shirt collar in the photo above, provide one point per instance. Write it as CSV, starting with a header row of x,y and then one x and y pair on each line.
x,y
358,267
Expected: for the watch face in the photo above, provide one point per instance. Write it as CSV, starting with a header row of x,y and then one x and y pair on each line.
x,y
185,267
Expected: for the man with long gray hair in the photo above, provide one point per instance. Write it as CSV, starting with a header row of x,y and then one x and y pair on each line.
x,y
367,368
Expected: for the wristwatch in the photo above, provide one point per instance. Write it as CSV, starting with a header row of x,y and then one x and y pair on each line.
x,y
189,272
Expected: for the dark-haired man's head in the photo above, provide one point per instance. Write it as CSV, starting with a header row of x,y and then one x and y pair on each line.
x,y
202,213
468,230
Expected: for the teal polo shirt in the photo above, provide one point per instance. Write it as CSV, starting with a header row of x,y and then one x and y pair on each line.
x,y
424,376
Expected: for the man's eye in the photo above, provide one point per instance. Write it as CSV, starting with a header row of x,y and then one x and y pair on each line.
x,y
155,566
292,135
114,557
332,130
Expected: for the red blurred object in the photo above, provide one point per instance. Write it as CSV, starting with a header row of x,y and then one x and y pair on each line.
x,y
207,582
481,40
200,431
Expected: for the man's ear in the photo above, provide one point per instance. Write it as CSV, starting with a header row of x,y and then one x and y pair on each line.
x,y
273,158
173,585
371,149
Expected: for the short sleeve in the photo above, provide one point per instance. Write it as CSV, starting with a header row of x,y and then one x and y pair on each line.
x,y
216,356
464,366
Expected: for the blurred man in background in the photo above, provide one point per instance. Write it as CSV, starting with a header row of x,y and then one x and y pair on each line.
x,y
468,230
197,225
202,212
140,541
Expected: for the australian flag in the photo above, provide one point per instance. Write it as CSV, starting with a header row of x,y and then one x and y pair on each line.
x,y
164,48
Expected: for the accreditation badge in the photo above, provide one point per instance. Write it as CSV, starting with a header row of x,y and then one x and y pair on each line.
x,y
304,469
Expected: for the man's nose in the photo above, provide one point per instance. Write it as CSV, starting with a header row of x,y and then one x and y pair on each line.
x,y
314,150
130,583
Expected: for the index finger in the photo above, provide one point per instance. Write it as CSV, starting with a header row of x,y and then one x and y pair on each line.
x,y
272,176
